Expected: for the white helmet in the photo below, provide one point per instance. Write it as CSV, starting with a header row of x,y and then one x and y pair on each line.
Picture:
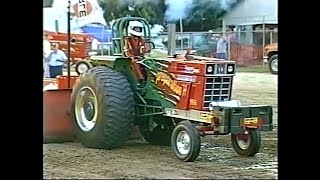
x,y
135,28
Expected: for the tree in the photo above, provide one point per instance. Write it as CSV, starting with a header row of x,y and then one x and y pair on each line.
x,y
203,14
47,3
152,11
203,17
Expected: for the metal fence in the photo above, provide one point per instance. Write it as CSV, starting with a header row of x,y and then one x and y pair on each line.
x,y
245,47
193,39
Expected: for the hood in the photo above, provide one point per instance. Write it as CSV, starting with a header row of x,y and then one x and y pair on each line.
x,y
273,45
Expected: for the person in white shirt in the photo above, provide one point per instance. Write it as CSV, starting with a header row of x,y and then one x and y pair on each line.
x,y
222,47
46,52
56,60
94,44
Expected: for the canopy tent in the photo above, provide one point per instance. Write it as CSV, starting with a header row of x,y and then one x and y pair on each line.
x,y
99,32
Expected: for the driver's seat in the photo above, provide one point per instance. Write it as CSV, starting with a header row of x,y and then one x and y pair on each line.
x,y
132,49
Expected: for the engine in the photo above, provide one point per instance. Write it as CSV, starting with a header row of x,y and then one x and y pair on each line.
x,y
193,84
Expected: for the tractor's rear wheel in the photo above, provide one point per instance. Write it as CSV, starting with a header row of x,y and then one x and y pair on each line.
x,y
186,141
102,108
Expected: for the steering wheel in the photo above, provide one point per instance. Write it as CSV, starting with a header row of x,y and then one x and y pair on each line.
x,y
149,44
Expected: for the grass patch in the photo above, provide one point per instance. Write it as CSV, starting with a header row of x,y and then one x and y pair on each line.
x,y
157,54
253,69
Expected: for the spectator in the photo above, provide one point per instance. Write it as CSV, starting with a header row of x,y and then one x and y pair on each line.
x,y
222,47
56,60
46,52
94,44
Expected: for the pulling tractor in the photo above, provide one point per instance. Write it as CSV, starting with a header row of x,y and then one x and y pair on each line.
x,y
175,103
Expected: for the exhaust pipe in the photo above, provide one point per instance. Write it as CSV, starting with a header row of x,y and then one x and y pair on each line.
x,y
171,29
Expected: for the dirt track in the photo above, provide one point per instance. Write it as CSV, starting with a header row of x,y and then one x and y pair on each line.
x,y
138,159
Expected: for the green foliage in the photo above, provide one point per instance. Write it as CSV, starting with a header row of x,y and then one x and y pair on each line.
x,y
203,16
47,3
153,12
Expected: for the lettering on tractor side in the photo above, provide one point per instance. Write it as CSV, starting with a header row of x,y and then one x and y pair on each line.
x,y
165,80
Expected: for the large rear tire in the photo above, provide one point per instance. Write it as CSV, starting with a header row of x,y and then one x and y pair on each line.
x,y
102,108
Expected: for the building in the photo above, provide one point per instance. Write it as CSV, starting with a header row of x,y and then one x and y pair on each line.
x,y
252,15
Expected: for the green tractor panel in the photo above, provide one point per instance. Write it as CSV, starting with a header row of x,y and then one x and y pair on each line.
x,y
174,101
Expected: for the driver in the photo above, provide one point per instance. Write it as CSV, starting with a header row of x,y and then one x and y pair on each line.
x,y
135,44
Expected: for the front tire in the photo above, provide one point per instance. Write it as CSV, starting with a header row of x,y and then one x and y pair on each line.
x,y
186,141
102,108
246,144
273,64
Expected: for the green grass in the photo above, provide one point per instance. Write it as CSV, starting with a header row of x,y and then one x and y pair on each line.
x,y
156,54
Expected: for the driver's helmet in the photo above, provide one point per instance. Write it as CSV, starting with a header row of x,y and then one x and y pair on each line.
x,y
135,28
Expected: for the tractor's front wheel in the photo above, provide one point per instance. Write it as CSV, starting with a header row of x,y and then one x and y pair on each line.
x,y
246,143
186,141
102,107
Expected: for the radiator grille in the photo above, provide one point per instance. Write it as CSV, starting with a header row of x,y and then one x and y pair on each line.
x,y
217,89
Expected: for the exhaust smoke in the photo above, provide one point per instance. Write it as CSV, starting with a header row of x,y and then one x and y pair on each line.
x,y
180,9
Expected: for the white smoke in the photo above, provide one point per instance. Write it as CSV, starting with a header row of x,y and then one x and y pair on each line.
x,y
226,4
179,9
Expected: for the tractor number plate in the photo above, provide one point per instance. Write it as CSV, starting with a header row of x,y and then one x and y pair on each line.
x,y
251,122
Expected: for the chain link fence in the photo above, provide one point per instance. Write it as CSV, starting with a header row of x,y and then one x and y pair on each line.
x,y
245,47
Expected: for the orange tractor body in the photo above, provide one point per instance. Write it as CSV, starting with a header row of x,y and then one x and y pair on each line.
x,y
56,113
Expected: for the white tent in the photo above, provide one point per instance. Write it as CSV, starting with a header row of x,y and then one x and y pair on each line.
x,y
85,13
87,18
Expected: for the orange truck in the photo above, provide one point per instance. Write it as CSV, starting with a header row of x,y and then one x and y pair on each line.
x,y
80,44
271,57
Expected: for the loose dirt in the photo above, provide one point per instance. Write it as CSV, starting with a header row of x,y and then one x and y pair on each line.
x,y
140,160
